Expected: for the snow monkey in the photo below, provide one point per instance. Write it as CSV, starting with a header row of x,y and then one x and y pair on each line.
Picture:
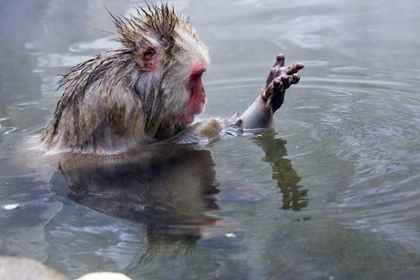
x,y
149,90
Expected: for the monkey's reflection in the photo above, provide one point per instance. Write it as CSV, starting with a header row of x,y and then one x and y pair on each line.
x,y
294,198
170,190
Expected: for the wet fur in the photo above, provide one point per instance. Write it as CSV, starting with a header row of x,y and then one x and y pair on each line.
x,y
132,95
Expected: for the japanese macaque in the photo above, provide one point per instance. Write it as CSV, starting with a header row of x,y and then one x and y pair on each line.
x,y
149,91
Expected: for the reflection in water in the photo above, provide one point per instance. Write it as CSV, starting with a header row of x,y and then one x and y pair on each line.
x,y
167,189
170,190
294,197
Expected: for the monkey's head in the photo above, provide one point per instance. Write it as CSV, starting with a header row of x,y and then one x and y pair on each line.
x,y
171,58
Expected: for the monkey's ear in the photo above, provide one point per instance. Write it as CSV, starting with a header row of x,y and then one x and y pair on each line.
x,y
147,54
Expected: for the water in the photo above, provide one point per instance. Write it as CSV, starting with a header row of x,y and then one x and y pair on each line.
x,y
331,193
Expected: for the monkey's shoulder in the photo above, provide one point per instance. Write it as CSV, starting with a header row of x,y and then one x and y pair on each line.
x,y
100,75
105,66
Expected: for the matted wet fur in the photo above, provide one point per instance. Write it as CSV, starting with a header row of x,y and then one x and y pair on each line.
x,y
131,95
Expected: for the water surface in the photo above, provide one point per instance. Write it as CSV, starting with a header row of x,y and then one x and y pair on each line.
x,y
332,191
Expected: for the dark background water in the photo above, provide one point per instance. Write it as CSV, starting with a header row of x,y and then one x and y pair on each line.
x,y
332,193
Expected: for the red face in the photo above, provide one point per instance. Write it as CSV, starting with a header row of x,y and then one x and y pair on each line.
x,y
197,99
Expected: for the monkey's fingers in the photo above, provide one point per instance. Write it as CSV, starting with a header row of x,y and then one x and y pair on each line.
x,y
280,83
284,82
294,68
295,78
279,60
274,72
279,70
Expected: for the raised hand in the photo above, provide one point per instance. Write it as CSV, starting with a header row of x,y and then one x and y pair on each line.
x,y
279,79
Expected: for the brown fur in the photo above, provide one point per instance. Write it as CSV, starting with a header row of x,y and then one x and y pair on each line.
x,y
132,95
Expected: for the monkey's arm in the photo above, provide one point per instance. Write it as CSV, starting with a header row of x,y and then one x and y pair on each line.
x,y
260,113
